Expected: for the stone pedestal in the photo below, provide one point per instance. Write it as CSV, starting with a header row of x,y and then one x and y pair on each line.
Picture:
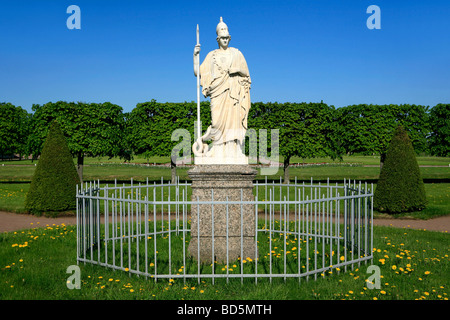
x,y
233,225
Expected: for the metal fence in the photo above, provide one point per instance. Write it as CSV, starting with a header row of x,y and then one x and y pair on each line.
x,y
303,229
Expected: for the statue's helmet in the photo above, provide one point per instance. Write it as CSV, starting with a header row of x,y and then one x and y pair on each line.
x,y
222,29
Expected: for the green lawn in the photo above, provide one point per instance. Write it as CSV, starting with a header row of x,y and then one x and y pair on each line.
x,y
414,264
109,172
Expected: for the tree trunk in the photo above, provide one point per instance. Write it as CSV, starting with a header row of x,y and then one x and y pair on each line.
x,y
286,169
382,159
80,166
173,169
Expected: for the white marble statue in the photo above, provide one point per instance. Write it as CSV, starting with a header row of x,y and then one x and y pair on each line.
x,y
225,78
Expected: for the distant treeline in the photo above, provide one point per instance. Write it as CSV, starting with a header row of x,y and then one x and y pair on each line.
x,y
305,129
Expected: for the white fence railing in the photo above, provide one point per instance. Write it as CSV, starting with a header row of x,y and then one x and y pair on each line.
x,y
302,230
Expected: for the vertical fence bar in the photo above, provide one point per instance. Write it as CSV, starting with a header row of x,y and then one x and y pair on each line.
x,y
138,226
198,240
315,233
170,234
365,223
106,208
242,240
91,224
323,232
97,219
299,239
256,240
265,205
345,225
271,206
155,257
184,237
146,218
359,226
371,220
78,222
212,235
285,236
227,240
308,232
122,204
114,224
129,234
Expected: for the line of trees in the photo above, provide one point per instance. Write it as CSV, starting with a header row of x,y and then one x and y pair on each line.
x,y
306,130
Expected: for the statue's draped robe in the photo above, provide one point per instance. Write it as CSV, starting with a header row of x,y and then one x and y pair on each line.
x,y
229,94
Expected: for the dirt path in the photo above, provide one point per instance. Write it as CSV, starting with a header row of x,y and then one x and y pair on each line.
x,y
14,222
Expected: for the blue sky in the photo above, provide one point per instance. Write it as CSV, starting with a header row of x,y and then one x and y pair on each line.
x,y
128,52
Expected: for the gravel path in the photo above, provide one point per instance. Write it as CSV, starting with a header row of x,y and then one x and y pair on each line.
x,y
13,222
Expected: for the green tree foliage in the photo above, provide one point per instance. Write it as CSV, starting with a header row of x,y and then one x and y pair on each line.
x,y
14,129
439,140
165,129
400,187
95,129
367,129
307,130
53,186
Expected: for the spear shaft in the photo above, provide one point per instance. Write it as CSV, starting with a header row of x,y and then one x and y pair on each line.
x,y
198,89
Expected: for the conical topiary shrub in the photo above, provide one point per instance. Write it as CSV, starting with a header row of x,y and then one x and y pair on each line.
x,y
400,187
53,186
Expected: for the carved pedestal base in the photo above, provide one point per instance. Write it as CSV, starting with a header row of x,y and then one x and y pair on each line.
x,y
231,226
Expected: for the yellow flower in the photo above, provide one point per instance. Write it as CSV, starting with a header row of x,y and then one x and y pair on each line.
x,y
427,272
394,267
383,292
342,258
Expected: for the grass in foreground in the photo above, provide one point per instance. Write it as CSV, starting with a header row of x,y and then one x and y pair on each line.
x,y
414,264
